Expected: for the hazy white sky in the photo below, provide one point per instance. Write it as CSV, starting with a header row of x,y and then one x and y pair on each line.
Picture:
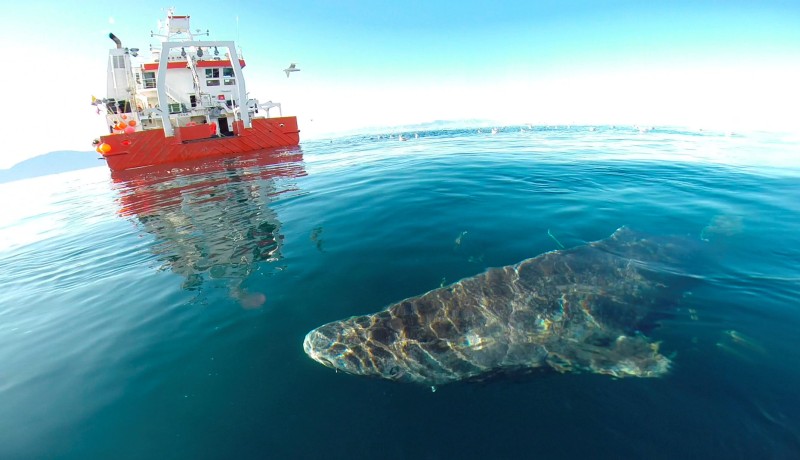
x,y
726,65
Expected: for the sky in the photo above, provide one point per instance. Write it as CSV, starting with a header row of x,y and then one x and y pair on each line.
x,y
728,65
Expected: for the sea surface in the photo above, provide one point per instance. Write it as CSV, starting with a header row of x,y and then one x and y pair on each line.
x,y
161,313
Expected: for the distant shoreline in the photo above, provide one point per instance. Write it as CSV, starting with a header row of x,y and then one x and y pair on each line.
x,y
50,163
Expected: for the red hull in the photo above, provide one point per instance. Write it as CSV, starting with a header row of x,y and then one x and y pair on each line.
x,y
146,148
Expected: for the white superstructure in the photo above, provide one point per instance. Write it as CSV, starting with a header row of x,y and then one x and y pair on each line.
x,y
186,82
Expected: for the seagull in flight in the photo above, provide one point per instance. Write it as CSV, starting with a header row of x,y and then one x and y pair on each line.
x,y
292,68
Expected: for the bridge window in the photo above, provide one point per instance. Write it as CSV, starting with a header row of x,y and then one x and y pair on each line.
x,y
227,73
212,77
149,79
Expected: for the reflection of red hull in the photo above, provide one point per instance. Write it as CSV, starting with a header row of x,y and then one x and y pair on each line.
x,y
145,148
147,191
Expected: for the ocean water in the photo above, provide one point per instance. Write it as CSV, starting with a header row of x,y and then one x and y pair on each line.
x,y
161,313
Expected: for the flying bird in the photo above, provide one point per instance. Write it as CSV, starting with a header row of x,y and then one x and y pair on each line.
x,y
292,68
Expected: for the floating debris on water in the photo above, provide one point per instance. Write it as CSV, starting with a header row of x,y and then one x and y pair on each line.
x,y
460,238
739,345
554,239
732,351
316,235
475,259
722,226
742,340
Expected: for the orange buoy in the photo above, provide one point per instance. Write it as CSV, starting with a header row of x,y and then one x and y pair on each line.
x,y
132,123
104,148
121,125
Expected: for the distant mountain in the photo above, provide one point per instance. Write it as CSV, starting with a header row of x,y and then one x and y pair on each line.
x,y
50,163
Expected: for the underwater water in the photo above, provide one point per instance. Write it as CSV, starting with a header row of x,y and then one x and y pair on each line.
x,y
160,313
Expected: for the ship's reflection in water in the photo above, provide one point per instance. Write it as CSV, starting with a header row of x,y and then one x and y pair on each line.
x,y
212,219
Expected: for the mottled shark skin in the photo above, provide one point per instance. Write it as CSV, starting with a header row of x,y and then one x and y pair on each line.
x,y
576,309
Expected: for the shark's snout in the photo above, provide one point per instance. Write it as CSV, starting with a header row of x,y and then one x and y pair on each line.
x,y
316,346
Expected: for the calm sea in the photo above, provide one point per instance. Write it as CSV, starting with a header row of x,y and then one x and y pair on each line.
x,y
161,314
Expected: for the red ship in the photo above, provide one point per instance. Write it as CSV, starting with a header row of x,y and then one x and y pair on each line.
x,y
189,102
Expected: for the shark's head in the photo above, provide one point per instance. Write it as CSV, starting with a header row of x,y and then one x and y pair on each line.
x,y
358,345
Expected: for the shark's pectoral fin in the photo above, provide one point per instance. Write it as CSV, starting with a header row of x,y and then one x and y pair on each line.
x,y
624,356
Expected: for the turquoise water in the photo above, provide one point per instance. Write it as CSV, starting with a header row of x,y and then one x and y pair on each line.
x,y
161,314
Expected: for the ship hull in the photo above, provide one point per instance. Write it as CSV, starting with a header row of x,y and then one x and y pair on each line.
x,y
151,147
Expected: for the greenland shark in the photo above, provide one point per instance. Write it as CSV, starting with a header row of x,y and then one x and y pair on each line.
x,y
570,310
